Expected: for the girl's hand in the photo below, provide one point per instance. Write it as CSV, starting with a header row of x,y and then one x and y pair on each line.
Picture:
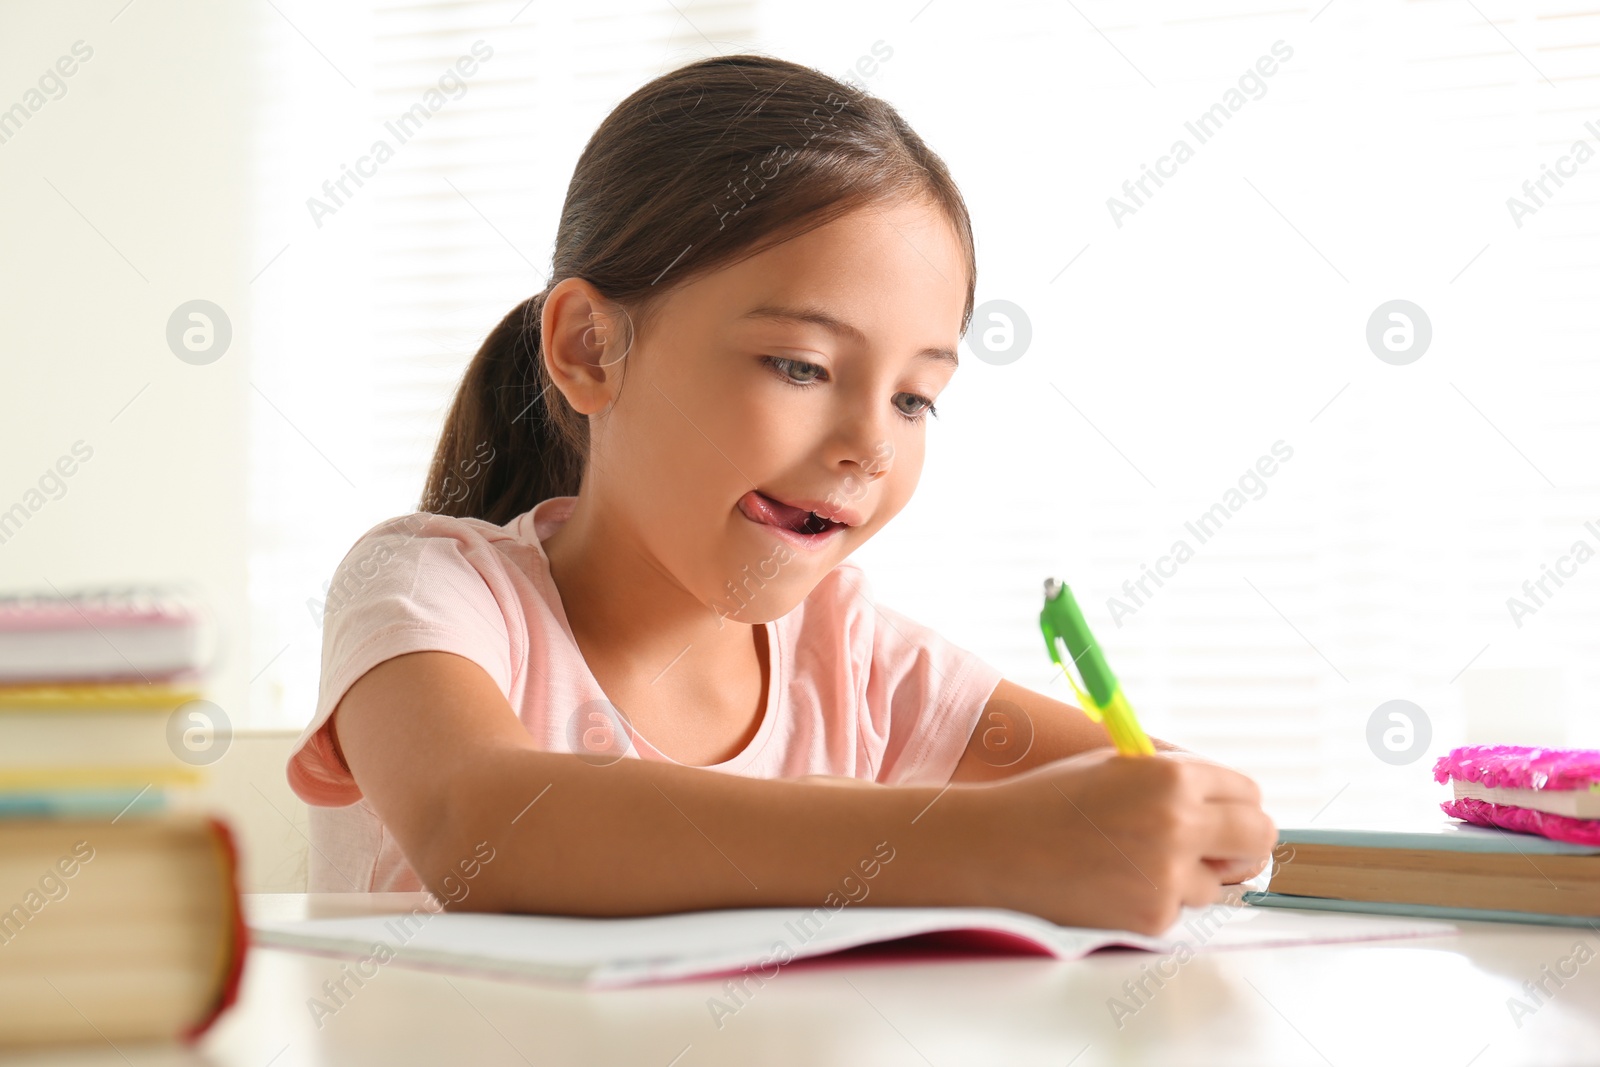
x,y
1232,872
1109,841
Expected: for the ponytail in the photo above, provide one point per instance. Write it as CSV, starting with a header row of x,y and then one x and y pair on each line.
x,y
510,439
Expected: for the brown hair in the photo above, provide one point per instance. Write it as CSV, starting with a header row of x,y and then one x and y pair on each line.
x,y
702,167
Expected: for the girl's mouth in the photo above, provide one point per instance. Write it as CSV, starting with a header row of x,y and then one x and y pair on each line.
x,y
793,524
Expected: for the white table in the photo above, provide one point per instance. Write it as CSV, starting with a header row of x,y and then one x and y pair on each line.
x,y
1437,1000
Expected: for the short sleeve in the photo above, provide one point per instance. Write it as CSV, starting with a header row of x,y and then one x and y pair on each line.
x,y
422,583
923,694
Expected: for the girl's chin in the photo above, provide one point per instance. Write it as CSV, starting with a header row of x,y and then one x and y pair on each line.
x,y
767,588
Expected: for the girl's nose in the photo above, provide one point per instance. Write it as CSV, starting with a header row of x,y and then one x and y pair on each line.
x,y
876,465
864,444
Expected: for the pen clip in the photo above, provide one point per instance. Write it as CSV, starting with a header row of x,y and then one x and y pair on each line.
x,y
1085,701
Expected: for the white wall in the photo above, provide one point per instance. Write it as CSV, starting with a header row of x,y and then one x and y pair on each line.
x,y
123,198
150,147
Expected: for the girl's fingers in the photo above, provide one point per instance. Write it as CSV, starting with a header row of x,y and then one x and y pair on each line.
x,y
1201,890
1216,782
1232,872
1235,833
1212,873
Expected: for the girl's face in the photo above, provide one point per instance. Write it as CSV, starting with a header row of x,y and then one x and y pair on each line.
x,y
798,381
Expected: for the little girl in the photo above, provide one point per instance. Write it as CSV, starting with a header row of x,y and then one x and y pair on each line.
x,y
618,665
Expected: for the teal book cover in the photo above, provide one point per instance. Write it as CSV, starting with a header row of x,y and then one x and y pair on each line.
x,y
81,803
1448,837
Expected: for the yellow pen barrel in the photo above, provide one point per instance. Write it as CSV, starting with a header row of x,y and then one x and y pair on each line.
x,y
1126,733
1117,717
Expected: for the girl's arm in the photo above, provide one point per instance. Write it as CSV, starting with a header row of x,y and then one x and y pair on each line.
x,y
490,823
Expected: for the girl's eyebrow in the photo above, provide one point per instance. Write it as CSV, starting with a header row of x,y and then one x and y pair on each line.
x,y
816,316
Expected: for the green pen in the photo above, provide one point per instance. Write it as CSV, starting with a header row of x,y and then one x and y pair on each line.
x,y
1104,702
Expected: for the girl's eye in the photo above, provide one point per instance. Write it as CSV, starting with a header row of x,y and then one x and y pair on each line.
x,y
796,371
800,373
926,407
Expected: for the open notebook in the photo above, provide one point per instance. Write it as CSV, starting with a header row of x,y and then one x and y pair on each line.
x,y
619,952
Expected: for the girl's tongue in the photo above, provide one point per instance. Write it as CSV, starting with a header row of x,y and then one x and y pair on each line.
x,y
758,507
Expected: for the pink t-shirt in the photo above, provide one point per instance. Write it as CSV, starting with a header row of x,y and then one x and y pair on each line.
x,y
855,689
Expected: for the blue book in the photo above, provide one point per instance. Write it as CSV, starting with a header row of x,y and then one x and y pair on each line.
x,y
1452,871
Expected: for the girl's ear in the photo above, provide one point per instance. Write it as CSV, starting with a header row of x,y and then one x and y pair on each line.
x,y
584,337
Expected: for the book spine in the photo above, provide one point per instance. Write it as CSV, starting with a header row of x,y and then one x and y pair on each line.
x,y
238,944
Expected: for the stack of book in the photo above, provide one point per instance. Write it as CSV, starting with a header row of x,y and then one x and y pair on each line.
x,y
119,910
1527,850
1448,871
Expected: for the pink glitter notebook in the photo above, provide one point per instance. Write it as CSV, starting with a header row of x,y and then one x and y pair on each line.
x,y
1552,792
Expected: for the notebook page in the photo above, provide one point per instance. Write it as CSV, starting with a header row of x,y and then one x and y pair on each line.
x,y
615,952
